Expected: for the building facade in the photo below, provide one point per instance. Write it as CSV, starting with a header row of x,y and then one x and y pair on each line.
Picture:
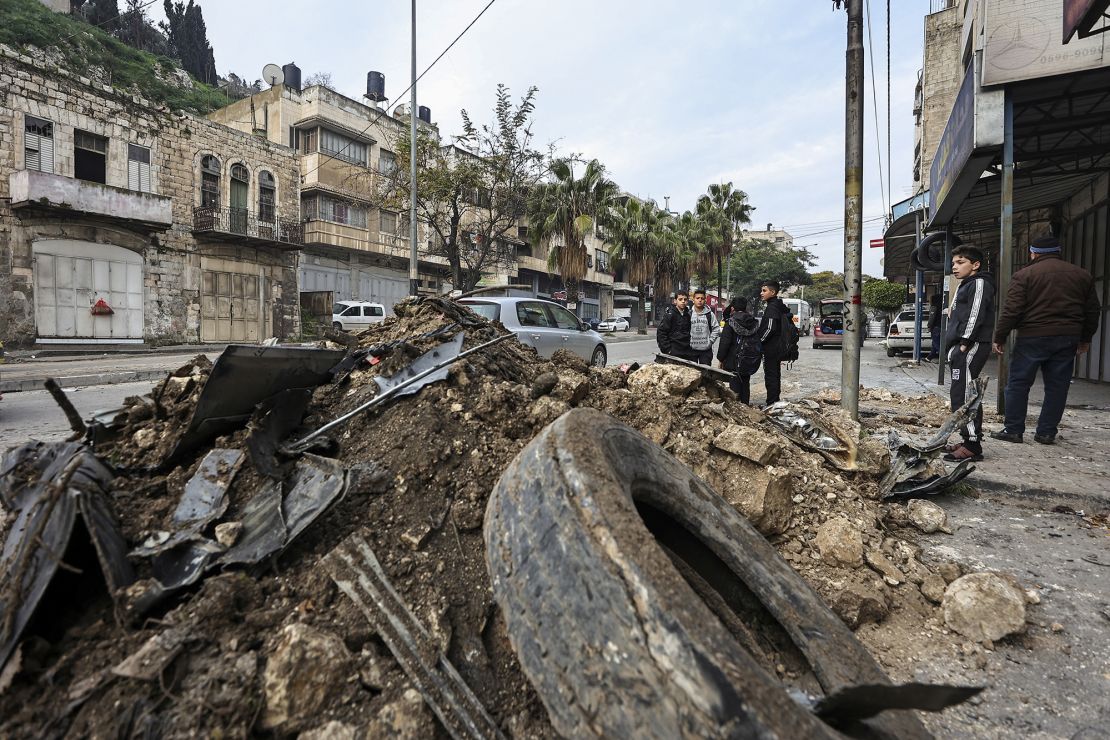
x,y
123,222
781,238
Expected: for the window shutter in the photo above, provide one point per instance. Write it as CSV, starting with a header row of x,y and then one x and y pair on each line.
x,y
133,175
144,178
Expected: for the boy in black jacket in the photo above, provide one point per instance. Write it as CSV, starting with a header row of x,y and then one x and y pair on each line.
x,y
970,328
673,334
770,334
739,351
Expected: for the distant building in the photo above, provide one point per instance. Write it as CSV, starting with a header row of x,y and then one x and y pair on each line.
x,y
122,222
779,237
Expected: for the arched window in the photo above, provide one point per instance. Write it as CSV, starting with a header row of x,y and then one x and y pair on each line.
x,y
210,182
240,187
266,197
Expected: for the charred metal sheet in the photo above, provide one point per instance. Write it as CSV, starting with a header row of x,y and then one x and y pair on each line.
x,y
148,662
802,424
856,703
915,488
435,357
707,370
245,375
263,528
356,570
273,421
317,483
205,495
55,484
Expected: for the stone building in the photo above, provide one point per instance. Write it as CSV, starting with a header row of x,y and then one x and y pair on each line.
x,y
124,222
354,248
781,238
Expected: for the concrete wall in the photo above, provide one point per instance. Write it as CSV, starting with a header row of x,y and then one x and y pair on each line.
x,y
171,256
942,74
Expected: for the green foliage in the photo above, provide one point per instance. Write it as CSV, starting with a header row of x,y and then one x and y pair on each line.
x,y
826,284
756,261
188,37
883,295
25,23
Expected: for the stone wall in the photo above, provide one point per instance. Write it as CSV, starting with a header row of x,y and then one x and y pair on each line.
x,y
172,257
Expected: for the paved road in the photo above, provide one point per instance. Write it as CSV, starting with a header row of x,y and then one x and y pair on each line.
x,y
35,415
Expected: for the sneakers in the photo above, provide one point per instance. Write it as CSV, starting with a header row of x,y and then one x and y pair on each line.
x,y
1005,436
1045,439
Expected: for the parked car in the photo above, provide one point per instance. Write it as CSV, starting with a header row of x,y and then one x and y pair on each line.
x,y
803,314
614,323
828,328
356,315
900,335
544,325
593,322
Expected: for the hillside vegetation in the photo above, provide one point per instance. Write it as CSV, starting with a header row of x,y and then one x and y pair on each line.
x,y
80,46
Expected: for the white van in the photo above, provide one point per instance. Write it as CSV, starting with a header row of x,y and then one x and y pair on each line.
x,y
356,315
803,314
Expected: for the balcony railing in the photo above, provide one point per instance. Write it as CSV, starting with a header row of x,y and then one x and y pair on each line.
x,y
241,224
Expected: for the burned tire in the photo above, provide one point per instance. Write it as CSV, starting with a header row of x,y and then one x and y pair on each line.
x,y
599,544
929,254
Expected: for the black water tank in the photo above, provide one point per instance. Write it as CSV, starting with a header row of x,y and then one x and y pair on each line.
x,y
375,86
292,74
424,113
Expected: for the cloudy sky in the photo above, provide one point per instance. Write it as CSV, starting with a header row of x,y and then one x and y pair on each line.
x,y
670,96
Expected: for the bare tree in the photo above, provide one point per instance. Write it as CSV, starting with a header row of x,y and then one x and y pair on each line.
x,y
319,78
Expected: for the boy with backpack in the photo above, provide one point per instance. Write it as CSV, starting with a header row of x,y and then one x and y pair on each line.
x,y
740,350
704,329
779,337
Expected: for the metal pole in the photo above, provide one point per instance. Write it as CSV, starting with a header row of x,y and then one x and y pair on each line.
x,y
853,214
918,294
942,360
414,273
1006,239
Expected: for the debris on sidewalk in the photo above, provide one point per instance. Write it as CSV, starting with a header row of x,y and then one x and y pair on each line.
x,y
228,552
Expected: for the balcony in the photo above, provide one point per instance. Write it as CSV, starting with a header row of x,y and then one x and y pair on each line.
x,y
243,227
69,196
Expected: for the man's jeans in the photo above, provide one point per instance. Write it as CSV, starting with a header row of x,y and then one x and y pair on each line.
x,y
1055,357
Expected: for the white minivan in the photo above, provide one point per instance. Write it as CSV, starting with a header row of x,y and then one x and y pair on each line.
x,y
356,315
803,314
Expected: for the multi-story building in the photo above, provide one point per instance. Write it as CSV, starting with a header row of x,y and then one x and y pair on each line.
x,y
124,222
355,248
1014,129
781,238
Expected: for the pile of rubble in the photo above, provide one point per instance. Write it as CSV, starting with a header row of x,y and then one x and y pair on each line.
x,y
221,612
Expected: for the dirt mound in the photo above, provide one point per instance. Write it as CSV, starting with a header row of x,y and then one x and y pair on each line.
x,y
434,458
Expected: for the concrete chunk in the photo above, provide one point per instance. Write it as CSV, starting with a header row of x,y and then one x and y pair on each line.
x,y
749,443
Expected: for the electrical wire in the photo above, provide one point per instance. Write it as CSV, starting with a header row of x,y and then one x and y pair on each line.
x,y
875,107
382,113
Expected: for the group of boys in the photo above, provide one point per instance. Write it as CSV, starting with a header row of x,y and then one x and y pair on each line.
x,y
689,332
1053,306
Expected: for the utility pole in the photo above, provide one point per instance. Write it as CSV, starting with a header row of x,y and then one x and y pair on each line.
x,y
414,274
853,213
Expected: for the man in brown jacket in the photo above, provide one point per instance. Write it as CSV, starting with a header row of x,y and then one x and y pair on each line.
x,y
1054,307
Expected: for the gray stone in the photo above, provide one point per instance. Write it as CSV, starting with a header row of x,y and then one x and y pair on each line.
x,y
544,384
858,604
408,718
983,606
334,730
932,588
928,517
227,533
658,379
764,495
757,446
840,543
305,671
882,565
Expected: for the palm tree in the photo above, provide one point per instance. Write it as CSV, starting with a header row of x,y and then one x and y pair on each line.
x,y
684,239
633,228
563,211
724,209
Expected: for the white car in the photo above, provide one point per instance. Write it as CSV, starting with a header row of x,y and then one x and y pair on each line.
x,y
899,337
353,316
614,323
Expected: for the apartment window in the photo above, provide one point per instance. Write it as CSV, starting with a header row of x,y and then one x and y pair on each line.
x,y
266,197
602,260
323,208
387,223
90,156
38,144
387,162
342,147
210,182
138,168
294,138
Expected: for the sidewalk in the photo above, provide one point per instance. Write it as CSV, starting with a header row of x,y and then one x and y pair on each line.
x,y
26,371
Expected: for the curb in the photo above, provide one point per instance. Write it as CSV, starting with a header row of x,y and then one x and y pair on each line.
x,y
1042,499
78,381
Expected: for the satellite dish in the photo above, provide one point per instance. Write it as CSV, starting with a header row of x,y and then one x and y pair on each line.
x,y
272,74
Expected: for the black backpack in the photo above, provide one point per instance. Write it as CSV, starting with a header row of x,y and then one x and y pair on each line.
x,y
789,336
747,355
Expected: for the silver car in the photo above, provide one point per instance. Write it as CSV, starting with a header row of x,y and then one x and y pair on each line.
x,y
542,324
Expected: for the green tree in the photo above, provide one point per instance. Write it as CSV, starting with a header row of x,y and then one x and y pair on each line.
x,y
757,261
470,196
883,295
826,284
188,36
633,229
103,13
723,209
563,211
